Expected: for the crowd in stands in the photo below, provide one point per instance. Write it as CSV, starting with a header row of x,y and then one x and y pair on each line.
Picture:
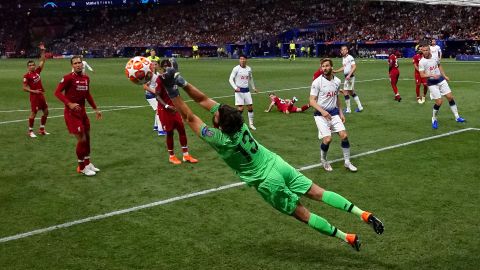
x,y
263,22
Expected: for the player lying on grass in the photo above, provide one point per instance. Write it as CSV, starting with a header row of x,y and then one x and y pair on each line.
x,y
278,182
285,105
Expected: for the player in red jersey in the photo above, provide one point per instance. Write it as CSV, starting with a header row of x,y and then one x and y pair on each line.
x,y
394,73
285,105
317,74
418,79
171,120
32,83
76,86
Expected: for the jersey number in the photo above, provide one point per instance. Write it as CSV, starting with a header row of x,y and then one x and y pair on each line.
x,y
253,146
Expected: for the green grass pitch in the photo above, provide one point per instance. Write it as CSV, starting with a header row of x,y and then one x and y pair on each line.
x,y
426,193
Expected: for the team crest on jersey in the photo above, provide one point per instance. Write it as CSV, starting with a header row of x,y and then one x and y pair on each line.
x,y
206,132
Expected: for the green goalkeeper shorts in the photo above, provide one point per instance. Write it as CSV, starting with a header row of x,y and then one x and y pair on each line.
x,y
283,186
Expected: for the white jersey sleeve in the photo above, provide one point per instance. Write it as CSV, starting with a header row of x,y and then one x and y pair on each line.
x,y
86,65
251,77
232,77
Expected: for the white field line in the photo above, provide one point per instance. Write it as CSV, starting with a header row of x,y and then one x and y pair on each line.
x,y
207,191
142,106
28,110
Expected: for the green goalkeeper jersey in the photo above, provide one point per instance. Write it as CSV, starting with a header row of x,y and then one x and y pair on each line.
x,y
249,159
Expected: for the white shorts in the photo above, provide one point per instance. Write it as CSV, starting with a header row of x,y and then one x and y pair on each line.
x,y
325,127
439,90
153,102
349,84
243,98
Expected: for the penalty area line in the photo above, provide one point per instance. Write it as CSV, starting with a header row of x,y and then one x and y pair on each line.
x,y
207,191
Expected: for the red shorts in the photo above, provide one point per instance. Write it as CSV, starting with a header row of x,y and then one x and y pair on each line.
x,y
170,120
38,102
77,122
394,74
419,80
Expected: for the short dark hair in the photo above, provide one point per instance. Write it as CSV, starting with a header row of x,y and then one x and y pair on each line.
x,y
230,119
165,63
75,57
326,60
242,55
30,62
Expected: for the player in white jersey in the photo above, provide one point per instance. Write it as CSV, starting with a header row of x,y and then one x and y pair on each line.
x,y
348,69
435,50
85,65
240,80
152,99
328,115
430,68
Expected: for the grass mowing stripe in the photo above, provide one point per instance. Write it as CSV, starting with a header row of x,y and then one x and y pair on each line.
x,y
207,191
142,106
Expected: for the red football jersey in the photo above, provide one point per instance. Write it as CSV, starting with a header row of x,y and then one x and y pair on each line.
x,y
392,62
77,89
162,92
281,104
416,61
33,80
317,74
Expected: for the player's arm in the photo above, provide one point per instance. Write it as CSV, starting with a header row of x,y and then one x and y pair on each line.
x,y
439,53
415,66
90,100
314,104
147,88
58,93
340,111
231,80
88,66
26,88
252,83
354,67
42,56
421,70
339,69
270,107
192,120
443,72
199,97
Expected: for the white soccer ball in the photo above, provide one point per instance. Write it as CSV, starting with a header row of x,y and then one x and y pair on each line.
x,y
139,70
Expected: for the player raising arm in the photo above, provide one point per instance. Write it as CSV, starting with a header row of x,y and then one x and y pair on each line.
x,y
32,83
275,180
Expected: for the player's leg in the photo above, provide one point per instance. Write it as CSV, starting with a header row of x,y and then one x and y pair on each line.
x,y
345,144
393,81
275,191
346,93
453,107
157,124
324,227
247,100
437,97
325,136
88,164
168,125
31,121
338,201
182,136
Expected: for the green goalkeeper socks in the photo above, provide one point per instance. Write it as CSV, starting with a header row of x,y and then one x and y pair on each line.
x,y
320,224
338,201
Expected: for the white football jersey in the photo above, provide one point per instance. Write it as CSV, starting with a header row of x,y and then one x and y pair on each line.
x,y
436,51
347,62
430,66
241,77
326,92
152,84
